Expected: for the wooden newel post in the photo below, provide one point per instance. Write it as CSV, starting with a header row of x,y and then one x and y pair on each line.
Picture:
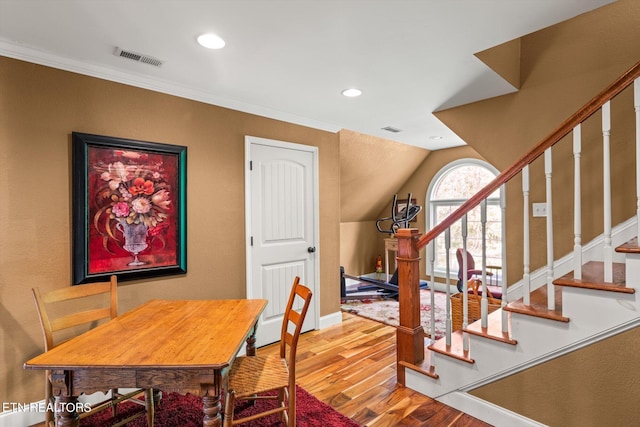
x,y
410,335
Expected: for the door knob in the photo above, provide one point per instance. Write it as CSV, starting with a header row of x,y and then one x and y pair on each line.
x,y
311,249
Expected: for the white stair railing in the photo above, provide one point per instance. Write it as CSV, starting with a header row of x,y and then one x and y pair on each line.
x,y
465,279
601,102
503,271
636,102
606,189
548,168
447,249
484,305
577,203
432,261
526,277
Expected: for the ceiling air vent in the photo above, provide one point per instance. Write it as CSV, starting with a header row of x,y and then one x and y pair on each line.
x,y
391,129
138,57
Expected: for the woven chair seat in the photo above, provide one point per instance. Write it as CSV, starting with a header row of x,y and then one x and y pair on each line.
x,y
257,374
251,376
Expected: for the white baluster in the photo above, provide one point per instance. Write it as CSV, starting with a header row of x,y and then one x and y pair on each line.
x,y
465,279
548,167
432,261
636,102
606,189
484,302
503,270
526,277
577,204
447,248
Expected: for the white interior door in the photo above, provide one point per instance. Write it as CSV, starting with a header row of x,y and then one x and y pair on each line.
x,y
282,227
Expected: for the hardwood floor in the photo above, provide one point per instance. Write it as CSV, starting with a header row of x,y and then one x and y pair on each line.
x,y
352,368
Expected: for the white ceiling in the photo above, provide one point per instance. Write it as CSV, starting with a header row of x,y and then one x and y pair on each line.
x,y
290,59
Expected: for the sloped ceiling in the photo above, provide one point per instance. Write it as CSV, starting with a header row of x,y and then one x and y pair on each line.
x,y
371,171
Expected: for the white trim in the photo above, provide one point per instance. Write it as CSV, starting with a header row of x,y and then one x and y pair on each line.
x,y
23,53
486,411
330,320
592,339
250,140
591,251
16,418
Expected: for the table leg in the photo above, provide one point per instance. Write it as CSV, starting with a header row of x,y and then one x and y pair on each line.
x,y
211,390
212,408
67,414
251,341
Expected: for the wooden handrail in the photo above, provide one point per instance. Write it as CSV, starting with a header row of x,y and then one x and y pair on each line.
x,y
567,126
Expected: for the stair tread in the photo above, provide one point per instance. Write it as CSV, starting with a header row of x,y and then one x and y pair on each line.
x,y
423,367
593,278
493,330
455,350
538,305
630,247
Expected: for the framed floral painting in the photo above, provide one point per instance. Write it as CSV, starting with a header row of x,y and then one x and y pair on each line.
x,y
129,208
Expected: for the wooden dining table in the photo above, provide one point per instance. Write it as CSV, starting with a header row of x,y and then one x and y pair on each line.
x,y
183,346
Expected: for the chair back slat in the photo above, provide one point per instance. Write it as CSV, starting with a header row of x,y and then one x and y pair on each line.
x,y
80,318
46,302
296,318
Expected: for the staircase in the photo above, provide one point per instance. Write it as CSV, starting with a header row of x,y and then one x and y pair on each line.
x,y
587,310
573,301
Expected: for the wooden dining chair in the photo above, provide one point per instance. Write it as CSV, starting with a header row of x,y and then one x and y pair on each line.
x,y
250,376
66,312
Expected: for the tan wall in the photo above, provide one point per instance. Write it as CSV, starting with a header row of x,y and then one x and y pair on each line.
x,y
371,171
562,67
39,108
360,246
595,386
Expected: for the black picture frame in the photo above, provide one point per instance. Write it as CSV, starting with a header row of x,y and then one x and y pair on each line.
x,y
129,208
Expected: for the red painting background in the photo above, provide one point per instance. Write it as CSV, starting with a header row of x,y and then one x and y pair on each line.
x,y
105,253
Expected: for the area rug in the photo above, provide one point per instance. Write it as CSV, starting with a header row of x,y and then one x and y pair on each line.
x,y
175,410
387,311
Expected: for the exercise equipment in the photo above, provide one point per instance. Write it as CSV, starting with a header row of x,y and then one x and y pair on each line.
x,y
400,218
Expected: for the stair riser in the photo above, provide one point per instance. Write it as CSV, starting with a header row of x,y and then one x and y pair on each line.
x,y
591,314
632,277
540,336
593,310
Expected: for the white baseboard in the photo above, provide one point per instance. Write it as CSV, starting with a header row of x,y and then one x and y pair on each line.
x,y
486,411
21,418
330,319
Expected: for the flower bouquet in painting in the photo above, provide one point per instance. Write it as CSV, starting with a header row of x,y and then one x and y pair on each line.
x,y
133,204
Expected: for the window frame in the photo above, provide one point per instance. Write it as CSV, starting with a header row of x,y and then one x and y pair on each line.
x,y
431,205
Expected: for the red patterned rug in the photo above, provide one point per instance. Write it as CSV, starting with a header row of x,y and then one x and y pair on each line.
x,y
175,410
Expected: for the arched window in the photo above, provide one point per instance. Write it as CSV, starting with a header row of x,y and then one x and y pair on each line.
x,y
452,186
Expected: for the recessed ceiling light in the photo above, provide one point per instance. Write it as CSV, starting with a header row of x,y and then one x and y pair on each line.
x,y
352,92
211,41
